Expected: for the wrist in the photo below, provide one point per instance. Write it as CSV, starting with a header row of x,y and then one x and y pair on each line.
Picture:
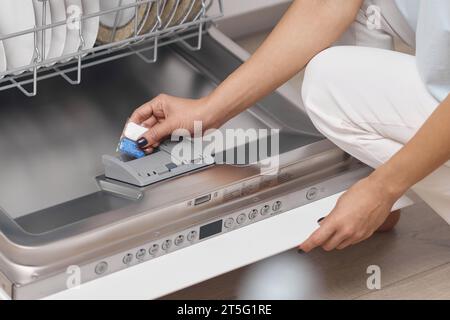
x,y
213,115
207,113
392,181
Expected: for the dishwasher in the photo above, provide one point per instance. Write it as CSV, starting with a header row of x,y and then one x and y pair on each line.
x,y
70,207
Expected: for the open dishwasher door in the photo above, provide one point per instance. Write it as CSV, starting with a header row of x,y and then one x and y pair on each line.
x,y
63,223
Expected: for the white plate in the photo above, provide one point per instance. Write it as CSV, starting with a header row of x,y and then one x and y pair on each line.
x,y
58,13
2,59
91,25
15,16
123,16
74,10
38,14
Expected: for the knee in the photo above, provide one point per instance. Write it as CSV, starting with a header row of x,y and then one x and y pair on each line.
x,y
321,76
321,82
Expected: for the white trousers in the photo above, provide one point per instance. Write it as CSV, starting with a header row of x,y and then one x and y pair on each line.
x,y
370,102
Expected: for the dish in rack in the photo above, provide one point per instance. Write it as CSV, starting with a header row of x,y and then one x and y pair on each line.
x,y
63,37
57,30
19,51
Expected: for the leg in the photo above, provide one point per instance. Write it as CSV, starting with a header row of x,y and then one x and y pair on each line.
x,y
370,102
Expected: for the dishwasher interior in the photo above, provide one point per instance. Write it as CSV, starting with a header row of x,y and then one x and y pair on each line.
x,y
59,210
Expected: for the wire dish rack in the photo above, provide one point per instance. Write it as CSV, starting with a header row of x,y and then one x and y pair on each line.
x,y
145,45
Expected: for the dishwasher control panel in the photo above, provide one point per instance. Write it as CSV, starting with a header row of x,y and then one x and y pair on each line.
x,y
188,237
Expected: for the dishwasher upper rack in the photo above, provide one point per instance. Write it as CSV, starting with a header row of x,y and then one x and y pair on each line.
x,y
138,44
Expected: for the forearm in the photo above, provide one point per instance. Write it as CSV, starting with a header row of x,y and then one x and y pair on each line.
x,y
308,27
428,150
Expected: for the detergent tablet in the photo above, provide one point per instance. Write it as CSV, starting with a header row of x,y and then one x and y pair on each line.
x,y
134,131
130,148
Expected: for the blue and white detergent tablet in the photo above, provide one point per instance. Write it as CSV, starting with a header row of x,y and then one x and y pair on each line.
x,y
128,144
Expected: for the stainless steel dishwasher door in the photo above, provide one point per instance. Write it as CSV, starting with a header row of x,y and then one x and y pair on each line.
x,y
55,215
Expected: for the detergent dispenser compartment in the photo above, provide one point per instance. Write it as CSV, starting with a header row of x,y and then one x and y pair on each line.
x,y
155,167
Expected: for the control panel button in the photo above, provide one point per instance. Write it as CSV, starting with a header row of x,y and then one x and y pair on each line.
x,y
229,223
128,258
179,240
253,214
166,244
276,206
140,255
154,249
241,218
101,268
265,210
312,193
192,235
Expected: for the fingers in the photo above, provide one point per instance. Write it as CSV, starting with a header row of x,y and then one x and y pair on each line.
x,y
153,108
150,115
155,134
319,237
334,241
331,236
346,243
334,234
142,113
150,122
356,238
356,216
152,148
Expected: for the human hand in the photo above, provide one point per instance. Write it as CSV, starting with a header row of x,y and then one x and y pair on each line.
x,y
357,215
165,114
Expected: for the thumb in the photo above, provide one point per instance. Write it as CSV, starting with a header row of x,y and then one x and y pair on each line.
x,y
155,134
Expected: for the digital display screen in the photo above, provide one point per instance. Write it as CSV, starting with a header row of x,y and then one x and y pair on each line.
x,y
210,229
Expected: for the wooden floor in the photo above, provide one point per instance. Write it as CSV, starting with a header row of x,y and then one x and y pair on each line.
x,y
414,261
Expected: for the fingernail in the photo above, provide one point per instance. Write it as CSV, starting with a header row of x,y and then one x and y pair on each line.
x,y
142,143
